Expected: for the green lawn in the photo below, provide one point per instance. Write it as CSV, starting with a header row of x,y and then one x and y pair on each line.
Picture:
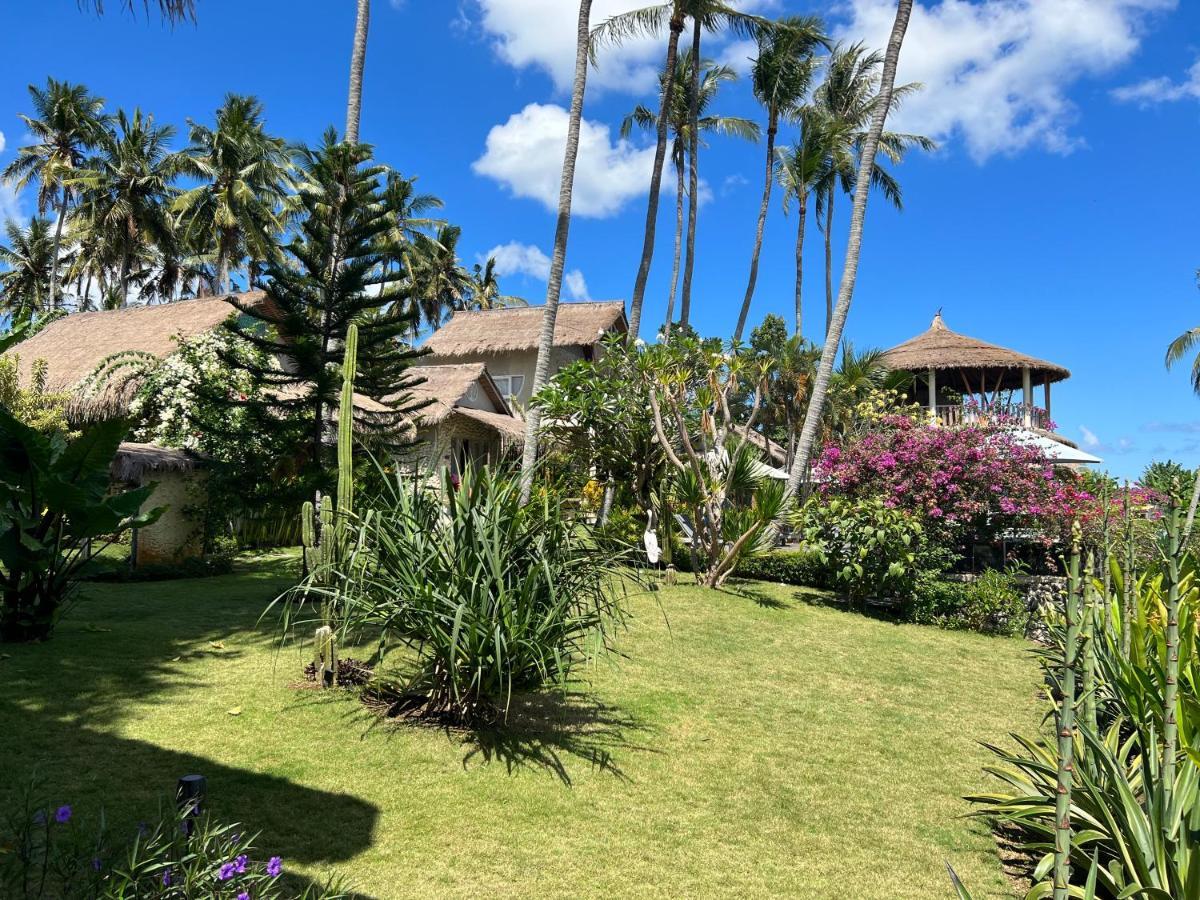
x,y
749,744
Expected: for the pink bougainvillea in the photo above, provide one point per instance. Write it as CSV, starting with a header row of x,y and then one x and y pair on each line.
x,y
972,476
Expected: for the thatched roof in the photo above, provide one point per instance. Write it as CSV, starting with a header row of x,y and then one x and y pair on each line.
x,y
136,462
442,388
74,345
941,349
518,328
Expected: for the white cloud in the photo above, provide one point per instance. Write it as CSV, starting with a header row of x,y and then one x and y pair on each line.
x,y
738,55
525,154
1092,441
1089,437
10,204
1163,89
1,141
541,34
515,258
997,74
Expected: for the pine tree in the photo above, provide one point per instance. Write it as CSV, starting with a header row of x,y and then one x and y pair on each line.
x,y
340,268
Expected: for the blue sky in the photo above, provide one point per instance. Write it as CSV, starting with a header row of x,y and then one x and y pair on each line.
x,y
1058,218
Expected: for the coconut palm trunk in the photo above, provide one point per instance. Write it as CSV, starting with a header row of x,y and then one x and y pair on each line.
x,y
829,257
54,261
660,155
679,190
562,228
862,189
768,180
800,261
358,59
685,311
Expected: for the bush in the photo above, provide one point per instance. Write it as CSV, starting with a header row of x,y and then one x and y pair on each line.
x,y
867,548
799,567
54,500
490,594
991,604
111,570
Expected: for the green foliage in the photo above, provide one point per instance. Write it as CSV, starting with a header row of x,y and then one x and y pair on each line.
x,y
991,604
623,529
49,853
38,408
489,595
799,567
54,501
867,548
1168,478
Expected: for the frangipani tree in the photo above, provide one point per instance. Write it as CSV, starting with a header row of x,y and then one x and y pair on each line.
x,y
718,477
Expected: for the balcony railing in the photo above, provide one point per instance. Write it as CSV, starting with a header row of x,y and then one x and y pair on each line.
x,y
990,413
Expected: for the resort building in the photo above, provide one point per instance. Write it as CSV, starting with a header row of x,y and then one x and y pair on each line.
x,y
506,341
962,380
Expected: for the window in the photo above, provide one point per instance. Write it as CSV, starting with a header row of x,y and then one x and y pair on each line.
x,y
509,385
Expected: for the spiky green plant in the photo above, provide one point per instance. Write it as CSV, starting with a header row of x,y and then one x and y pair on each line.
x,y
1171,687
1066,730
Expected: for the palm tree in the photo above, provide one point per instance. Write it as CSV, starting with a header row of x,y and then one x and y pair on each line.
x,y
171,10
1177,350
66,123
29,265
848,96
705,14
126,191
562,228
802,167
862,186
437,282
782,76
485,289
680,126
358,58
858,375
242,202
409,208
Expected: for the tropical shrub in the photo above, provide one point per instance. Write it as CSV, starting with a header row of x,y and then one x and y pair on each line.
x,y
55,507
866,547
488,595
979,478
1115,791
804,568
42,410
48,853
991,604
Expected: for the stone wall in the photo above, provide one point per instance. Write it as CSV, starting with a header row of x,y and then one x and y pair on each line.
x,y
178,534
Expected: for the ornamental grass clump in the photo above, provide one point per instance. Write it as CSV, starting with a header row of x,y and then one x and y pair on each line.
x,y
488,596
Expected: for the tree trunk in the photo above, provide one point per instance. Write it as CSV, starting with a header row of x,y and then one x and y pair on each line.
x,y
772,127
689,265
1191,513
862,188
562,228
62,216
660,155
800,261
358,58
829,257
679,189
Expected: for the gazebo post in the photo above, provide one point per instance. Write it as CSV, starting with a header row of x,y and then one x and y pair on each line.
x,y
933,420
1026,398
1047,398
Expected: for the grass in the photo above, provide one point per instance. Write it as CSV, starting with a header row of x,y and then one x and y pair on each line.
x,y
751,743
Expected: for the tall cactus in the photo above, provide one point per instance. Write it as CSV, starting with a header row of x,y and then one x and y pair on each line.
x,y
1128,580
1066,729
1174,552
325,533
1089,634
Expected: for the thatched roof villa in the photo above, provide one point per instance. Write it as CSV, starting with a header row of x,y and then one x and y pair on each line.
x,y
506,340
962,379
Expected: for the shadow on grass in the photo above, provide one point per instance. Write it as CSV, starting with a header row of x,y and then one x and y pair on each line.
x,y
544,730
751,591
63,704
880,610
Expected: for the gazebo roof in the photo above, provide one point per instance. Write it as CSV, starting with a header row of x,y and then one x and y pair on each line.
x,y
940,348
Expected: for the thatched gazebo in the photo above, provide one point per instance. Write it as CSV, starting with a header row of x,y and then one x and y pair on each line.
x,y
963,379
178,476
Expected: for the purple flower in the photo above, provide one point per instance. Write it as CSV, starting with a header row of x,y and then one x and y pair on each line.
x,y
95,864
274,866
63,814
239,864
225,872
244,895
166,879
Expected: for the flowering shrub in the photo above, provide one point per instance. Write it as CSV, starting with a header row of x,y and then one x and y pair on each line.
x,y
977,476
46,852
